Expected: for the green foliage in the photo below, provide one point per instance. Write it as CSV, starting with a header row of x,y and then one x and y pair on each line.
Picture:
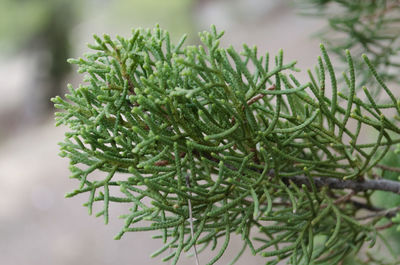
x,y
145,13
384,199
23,22
362,26
152,115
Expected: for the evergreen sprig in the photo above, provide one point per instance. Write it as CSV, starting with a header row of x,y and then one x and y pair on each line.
x,y
238,138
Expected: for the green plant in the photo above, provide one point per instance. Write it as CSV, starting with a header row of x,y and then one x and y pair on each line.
x,y
201,146
364,27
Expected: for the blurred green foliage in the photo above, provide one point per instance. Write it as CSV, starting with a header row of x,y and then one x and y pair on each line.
x,y
385,252
173,14
368,27
22,21
390,200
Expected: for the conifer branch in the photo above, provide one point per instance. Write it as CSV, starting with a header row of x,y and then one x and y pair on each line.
x,y
360,185
341,184
263,151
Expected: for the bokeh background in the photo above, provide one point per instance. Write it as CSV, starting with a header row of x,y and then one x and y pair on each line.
x,y
37,224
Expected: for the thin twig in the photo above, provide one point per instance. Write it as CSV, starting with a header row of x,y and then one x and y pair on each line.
x,y
386,226
259,96
341,199
344,198
191,221
254,99
387,168
389,213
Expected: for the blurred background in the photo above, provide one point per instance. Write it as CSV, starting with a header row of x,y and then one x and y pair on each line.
x,y
39,226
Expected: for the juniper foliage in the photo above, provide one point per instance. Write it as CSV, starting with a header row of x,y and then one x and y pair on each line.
x,y
227,132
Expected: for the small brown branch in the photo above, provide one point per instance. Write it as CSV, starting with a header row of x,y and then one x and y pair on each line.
x,y
344,198
387,168
389,213
258,97
341,199
130,85
166,162
161,163
386,226
254,99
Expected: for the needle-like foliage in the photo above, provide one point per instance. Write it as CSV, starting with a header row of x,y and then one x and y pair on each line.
x,y
362,26
255,143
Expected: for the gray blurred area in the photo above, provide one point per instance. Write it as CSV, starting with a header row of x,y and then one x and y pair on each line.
x,y
37,224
